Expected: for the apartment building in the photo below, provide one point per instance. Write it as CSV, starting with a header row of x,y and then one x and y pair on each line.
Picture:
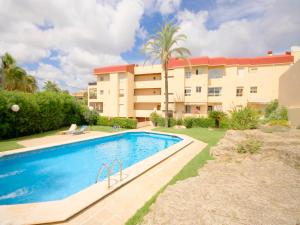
x,y
196,86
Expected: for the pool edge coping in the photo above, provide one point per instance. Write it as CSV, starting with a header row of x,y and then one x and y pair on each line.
x,y
62,210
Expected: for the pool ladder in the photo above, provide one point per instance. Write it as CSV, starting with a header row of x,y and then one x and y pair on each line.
x,y
109,170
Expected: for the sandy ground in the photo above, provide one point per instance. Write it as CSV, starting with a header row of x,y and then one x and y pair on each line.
x,y
262,189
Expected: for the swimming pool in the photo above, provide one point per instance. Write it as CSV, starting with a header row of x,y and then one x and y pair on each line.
x,y
57,172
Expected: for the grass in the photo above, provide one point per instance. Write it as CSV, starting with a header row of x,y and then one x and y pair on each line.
x,y
209,136
11,144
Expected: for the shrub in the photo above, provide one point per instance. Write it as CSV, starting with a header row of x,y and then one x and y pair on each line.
x,y
172,122
245,118
217,116
90,116
124,122
38,112
103,121
154,117
274,112
272,106
283,123
179,122
249,146
190,122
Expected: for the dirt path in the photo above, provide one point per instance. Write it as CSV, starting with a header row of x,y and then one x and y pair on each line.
x,y
263,188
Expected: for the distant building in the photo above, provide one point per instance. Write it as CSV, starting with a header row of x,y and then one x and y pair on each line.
x,y
80,95
195,87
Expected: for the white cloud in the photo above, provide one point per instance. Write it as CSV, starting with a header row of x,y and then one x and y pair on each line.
x,y
162,6
275,26
86,33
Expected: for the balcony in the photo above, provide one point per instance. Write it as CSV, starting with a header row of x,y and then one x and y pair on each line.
x,y
147,98
148,84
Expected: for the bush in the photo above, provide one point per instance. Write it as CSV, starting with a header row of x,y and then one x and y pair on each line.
x,y
124,122
274,112
217,116
249,146
90,116
190,122
245,118
103,121
158,120
154,118
38,112
179,122
172,122
283,123
272,106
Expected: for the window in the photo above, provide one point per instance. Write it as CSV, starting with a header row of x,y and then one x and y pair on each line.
x,y
121,93
188,74
198,89
253,89
93,93
215,73
187,91
239,91
101,92
101,78
214,91
210,108
199,71
188,109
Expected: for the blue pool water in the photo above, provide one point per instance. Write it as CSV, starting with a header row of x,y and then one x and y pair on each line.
x,y
57,172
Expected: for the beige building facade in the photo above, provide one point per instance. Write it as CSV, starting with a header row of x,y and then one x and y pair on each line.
x,y
196,86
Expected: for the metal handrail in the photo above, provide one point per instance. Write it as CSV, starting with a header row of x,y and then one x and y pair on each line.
x,y
120,167
109,170
104,165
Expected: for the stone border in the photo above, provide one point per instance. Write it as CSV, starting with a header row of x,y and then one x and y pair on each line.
x,y
61,210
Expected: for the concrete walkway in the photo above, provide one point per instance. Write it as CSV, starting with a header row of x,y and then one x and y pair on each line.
x,y
119,206
58,138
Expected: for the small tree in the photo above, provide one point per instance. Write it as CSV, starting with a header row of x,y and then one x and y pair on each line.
x,y
51,86
217,116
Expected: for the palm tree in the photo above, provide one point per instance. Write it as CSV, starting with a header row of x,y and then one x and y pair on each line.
x,y
51,86
14,77
163,46
31,84
7,63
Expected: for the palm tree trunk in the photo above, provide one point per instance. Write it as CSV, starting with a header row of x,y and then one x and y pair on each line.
x,y
166,95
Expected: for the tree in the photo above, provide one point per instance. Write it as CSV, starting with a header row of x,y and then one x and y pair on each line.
x,y
163,46
31,84
217,116
51,86
14,77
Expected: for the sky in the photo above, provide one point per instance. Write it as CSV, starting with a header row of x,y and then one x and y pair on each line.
x,y
64,40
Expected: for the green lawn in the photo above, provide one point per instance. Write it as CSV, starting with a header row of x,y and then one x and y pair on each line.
x,y
209,136
11,144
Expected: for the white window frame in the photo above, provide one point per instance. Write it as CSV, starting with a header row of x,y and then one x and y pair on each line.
x,y
216,91
187,91
198,89
253,90
188,107
188,74
239,91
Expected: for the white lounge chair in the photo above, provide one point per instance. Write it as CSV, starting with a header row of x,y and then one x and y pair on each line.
x,y
81,130
71,129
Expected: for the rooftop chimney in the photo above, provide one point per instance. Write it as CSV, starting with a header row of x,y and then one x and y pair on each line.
x,y
270,52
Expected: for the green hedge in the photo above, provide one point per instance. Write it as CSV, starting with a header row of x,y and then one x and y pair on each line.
x,y
122,122
190,122
38,112
243,119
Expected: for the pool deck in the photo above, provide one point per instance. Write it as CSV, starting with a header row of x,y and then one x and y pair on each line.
x,y
115,205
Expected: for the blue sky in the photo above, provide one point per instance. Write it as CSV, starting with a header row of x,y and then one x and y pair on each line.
x,y
62,41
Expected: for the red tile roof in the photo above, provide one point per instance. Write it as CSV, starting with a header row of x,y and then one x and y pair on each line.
x,y
114,69
220,61
198,61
